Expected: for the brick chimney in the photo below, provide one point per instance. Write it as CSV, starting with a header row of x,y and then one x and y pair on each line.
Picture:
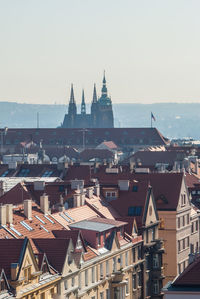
x,y
77,198
2,215
44,203
89,192
97,190
28,208
123,185
9,213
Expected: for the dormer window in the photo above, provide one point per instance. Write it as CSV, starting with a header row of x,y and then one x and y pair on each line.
x,y
111,195
79,244
27,274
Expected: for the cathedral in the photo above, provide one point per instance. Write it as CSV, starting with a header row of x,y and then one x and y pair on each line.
x,y
101,115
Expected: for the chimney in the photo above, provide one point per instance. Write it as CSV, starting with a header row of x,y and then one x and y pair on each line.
x,y
2,215
14,270
89,192
82,197
77,198
28,208
44,203
123,185
39,185
97,190
2,184
9,213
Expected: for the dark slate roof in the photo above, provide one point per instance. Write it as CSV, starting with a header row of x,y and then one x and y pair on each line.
x,y
189,277
150,158
55,249
62,136
11,251
92,225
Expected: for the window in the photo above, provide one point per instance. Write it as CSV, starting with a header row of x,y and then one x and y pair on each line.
x,y
196,225
101,270
183,243
183,220
134,281
66,284
27,274
188,242
156,287
102,295
126,258
73,282
133,252
42,296
93,274
114,264
153,233
192,228
139,278
188,218
191,248
179,268
179,222
107,294
139,252
179,246
107,267
121,260
86,277
183,199
155,261
127,287
197,246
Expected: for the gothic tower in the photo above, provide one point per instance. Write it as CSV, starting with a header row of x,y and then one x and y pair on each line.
x,y
94,109
105,112
72,110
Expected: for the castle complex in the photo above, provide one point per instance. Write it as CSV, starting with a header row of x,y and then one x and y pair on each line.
x,y
101,115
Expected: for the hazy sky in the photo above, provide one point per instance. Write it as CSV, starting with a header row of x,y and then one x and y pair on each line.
x,y
150,50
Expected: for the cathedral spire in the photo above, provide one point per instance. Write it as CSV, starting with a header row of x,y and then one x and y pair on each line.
x,y
72,100
83,107
104,88
94,100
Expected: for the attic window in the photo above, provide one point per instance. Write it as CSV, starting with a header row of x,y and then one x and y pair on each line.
x,y
135,188
134,211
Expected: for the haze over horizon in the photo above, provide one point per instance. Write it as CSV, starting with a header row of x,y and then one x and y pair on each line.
x,y
149,49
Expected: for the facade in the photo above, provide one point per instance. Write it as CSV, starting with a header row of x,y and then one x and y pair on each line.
x,y
101,115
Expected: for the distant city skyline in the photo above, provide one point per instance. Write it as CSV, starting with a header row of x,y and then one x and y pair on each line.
x,y
149,50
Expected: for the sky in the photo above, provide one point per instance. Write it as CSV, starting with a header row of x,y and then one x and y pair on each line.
x,y
149,49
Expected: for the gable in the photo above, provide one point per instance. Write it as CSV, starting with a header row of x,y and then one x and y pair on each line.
x,y
28,262
184,199
151,213
69,264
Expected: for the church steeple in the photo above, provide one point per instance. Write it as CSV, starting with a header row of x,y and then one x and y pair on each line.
x,y
72,100
94,100
104,88
83,106
72,104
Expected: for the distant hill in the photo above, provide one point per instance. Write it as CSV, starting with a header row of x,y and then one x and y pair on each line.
x,y
172,119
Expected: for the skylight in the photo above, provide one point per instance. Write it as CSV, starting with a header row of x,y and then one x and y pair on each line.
x,y
16,231
64,217
69,216
50,220
47,173
44,228
28,227
40,219
5,173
